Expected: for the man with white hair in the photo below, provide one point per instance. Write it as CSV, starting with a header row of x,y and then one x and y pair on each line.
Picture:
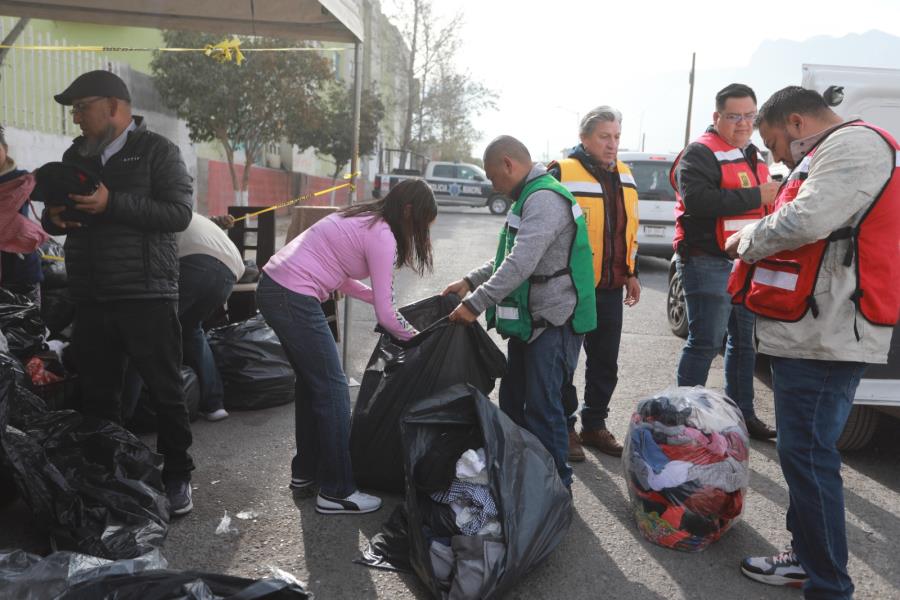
x,y
605,190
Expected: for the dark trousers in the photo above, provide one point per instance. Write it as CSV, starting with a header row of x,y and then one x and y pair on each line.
x,y
107,335
813,399
204,285
322,398
530,390
601,349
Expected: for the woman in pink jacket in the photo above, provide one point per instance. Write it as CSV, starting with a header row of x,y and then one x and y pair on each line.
x,y
365,240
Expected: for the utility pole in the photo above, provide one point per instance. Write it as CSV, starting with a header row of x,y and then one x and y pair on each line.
x,y
687,126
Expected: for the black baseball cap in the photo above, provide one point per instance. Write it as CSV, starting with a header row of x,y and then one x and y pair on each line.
x,y
94,83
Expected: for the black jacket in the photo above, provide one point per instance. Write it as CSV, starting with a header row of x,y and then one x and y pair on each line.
x,y
129,251
699,179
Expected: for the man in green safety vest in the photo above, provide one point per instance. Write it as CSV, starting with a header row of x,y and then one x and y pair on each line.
x,y
538,292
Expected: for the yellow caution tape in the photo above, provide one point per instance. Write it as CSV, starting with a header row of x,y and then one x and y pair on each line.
x,y
51,257
224,51
303,198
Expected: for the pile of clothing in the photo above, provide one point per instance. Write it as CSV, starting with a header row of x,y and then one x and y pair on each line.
x,y
686,461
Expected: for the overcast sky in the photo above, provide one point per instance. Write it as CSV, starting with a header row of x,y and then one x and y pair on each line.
x,y
552,61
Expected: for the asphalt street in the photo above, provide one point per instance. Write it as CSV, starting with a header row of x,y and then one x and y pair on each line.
x,y
243,465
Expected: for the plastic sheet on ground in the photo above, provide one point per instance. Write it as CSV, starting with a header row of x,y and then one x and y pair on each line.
x,y
90,483
686,462
535,507
20,321
443,354
71,576
254,368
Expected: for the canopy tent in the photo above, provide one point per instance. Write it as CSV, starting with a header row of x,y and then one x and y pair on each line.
x,y
327,20
323,20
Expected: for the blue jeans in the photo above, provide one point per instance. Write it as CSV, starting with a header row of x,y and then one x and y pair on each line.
x,y
812,401
710,316
322,398
601,349
204,284
531,390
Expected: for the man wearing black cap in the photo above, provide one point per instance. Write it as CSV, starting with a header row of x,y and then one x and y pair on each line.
x,y
122,265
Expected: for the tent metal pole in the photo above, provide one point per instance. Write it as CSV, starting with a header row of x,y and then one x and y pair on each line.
x,y
354,168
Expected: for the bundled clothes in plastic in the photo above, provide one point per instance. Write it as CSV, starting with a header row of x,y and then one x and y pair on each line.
x,y
254,368
484,504
441,355
686,462
72,576
94,486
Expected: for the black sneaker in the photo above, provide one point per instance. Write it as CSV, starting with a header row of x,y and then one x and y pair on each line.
x,y
302,488
179,494
356,503
781,569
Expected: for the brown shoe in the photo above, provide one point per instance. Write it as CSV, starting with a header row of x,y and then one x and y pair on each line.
x,y
576,452
759,430
603,440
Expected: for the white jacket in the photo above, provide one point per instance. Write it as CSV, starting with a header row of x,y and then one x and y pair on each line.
x,y
846,173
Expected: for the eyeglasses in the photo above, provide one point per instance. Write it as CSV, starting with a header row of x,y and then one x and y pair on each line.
x,y
79,107
737,118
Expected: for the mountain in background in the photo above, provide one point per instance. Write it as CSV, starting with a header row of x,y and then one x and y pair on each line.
x,y
774,65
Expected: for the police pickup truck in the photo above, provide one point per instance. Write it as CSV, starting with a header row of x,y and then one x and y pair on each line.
x,y
454,184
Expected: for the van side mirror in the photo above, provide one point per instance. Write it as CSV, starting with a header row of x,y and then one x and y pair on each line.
x,y
477,177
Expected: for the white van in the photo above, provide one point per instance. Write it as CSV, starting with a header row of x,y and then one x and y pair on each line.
x,y
656,201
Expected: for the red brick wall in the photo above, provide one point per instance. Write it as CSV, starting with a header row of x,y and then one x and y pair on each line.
x,y
267,187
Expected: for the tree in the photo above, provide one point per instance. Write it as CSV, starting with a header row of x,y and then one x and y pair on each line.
x,y
242,107
12,36
441,101
334,137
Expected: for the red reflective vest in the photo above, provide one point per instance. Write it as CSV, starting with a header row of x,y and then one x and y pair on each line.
x,y
736,173
781,287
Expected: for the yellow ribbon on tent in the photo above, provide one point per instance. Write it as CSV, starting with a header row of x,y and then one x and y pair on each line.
x,y
224,51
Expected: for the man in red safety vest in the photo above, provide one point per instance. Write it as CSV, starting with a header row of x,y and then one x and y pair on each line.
x,y
822,274
721,184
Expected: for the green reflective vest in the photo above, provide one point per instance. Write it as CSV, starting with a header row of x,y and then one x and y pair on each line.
x,y
512,316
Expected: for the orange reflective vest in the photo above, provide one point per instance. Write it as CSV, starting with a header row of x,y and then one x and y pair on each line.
x,y
589,194
736,173
781,287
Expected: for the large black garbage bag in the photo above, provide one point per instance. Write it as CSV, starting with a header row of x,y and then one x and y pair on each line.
x,y
441,355
57,309
94,486
21,324
255,371
535,508
143,420
70,576
53,265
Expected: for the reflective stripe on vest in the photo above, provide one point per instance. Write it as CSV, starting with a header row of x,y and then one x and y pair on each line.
x,y
589,194
782,286
735,172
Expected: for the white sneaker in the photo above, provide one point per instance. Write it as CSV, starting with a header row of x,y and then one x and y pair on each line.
x,y
781,569
356,503
216,415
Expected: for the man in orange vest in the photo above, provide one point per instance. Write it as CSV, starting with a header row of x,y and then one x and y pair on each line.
x,y
721,183
824,281
607,195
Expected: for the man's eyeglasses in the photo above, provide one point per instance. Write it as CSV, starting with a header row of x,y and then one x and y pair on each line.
x,y
737,118
79,107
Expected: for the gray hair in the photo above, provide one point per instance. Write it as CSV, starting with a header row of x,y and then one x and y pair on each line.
x,y
601,113
2,136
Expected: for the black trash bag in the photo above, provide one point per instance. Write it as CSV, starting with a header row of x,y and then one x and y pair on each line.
x,y
21,324
57,309
251,272
69,576
535,507
255,371
53,265
441,355
94,486
143,420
